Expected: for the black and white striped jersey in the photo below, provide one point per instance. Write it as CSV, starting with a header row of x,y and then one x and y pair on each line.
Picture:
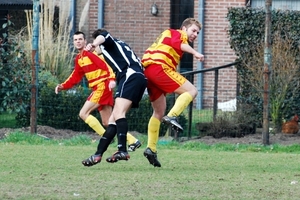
x,y
119,55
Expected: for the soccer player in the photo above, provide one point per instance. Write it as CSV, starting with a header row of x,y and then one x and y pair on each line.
x,y
101,79
131,87
133,142
160,62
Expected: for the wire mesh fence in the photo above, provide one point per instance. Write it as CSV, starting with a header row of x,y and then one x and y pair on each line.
x,y
53,111
132,22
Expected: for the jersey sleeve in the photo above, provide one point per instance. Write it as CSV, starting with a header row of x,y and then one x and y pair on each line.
x,y
108,39
74,78
102,65
178,37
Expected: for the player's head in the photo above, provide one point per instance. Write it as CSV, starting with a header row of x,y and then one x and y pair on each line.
x,y
192,27
79,40
98,32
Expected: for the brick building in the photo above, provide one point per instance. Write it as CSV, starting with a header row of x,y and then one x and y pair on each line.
x,y
132,21
12,9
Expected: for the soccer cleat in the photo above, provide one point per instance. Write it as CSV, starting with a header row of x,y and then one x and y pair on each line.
x,y
152,157
119,155
172,121
92,160
134,146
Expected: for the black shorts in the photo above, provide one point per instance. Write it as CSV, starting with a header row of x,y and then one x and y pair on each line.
x,y
132,87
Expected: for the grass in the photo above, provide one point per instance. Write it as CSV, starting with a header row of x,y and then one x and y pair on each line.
x,y
35,168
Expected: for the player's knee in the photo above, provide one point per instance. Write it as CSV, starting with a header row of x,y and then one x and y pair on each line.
x,y
193,92
82,116
105,123
158,114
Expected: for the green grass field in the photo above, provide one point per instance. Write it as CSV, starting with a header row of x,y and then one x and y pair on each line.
x,y
45,169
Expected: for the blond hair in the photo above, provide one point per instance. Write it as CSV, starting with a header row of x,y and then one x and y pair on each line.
x,y
189,22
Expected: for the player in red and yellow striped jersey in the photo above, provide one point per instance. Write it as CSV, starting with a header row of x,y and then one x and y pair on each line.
x,y
100,78
160,61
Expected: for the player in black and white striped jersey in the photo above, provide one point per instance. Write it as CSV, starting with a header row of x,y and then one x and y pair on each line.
x,y
131,84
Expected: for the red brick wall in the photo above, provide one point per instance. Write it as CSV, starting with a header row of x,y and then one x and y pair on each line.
x,y
82,17
217,50
131,21
93,17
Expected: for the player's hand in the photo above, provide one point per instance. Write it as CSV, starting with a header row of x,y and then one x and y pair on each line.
x,y
58,88
111,85
199,56
89,47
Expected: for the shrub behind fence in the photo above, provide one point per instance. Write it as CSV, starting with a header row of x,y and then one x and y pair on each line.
x,y
61,111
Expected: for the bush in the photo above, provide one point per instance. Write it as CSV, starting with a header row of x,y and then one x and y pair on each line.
x,y
230,124
58,111
247,32
15,74
61,111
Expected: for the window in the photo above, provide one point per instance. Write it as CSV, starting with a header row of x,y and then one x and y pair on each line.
x,y
278,4
180,10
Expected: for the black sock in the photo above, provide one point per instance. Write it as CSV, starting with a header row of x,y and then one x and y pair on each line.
x,y
106,139
122,128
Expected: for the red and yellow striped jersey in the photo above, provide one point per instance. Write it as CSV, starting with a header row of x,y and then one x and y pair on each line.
x,y
94,68
166,50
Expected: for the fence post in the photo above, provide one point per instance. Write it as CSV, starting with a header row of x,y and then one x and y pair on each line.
x,y
267,71
216,94
190,120
34,68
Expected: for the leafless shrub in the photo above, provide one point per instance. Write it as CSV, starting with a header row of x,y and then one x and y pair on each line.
x,y
230,124
284,76
55,47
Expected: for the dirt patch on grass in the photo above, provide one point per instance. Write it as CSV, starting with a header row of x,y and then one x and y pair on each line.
x,y
49,132
257,138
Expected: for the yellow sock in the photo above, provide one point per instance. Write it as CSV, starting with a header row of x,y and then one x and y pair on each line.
x,y
153,133
130,139
180,104
95,125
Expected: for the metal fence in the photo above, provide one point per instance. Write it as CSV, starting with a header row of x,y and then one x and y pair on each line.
x,y
190,76
192,113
